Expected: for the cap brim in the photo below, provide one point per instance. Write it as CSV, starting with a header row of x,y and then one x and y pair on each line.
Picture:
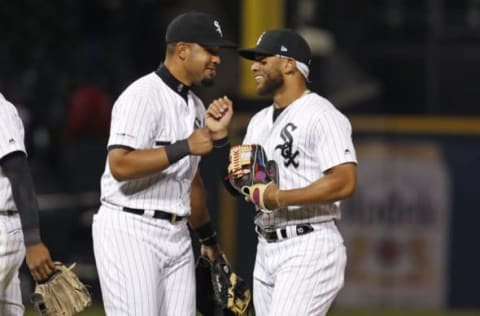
x,y
220,43
252,53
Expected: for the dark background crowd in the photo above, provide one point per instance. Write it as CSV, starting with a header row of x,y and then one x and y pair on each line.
x,y
383,57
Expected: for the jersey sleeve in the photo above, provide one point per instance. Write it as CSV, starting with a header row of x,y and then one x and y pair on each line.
x,y
11,130
251,135
335,134
248,135
133,122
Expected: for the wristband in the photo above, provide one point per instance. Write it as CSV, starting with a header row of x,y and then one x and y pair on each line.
x,y
206,234
32,237
177,151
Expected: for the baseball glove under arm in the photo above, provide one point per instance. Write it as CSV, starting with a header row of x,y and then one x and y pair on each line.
x,y
219,290
63,294
230,291
250,172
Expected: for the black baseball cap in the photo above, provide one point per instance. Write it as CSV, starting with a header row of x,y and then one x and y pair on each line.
x,y
197,27
284,42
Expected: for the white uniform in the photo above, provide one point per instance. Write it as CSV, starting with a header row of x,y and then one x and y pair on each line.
x,y
146,264
12,248
300,273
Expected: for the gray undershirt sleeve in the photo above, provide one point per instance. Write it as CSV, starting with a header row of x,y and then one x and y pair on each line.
x,y
15,166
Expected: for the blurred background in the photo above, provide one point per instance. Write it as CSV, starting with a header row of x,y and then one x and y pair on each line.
x,y
404,72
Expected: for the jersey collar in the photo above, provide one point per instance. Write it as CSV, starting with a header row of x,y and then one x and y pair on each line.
x,y
172,82
277,112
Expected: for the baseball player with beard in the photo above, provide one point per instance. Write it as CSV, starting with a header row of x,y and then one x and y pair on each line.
x,y
151,185
301,258
19,225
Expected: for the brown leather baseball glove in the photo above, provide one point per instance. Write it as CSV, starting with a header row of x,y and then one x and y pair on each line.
x,y
63,294
230,291
249,170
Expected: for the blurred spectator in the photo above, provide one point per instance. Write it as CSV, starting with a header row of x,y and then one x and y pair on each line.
x,y
88,113
86,134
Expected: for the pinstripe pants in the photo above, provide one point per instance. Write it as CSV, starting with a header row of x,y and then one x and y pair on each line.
x,y
300,275
145,265
12,254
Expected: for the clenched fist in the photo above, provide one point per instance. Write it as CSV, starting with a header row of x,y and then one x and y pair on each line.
x,y
218,117
200,142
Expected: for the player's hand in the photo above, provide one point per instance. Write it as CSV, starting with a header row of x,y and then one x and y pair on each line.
x,y
200,142
269,193
39,262
211,252
218,117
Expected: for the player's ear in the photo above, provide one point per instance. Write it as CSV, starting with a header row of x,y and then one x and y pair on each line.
x,y
289,66
182,50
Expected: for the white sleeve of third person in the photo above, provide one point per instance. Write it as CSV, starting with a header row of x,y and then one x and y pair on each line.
x,y
335,134
11,129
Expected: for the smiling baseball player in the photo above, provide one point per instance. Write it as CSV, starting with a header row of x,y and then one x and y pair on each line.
x,y
301,258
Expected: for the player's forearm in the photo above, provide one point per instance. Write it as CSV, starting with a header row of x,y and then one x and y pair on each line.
x,y
199,210
336,185
203,227
15,167
199,218
133,164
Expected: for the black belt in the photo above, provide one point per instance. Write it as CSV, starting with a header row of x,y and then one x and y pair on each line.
x,y
172,218
271,234
8,213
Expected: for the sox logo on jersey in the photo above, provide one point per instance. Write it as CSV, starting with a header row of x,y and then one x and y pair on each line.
x,y
286,147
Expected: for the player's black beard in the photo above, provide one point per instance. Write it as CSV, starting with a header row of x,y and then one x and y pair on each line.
x,y
270,85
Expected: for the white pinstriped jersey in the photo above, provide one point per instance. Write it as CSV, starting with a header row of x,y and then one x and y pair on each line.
x,y
156,277
309,137
149,114
12,248
11,139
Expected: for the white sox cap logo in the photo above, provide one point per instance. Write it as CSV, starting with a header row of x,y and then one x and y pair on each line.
x,y
217,28
260,38
283,49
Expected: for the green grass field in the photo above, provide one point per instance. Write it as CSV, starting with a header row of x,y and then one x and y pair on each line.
x,y
340,312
